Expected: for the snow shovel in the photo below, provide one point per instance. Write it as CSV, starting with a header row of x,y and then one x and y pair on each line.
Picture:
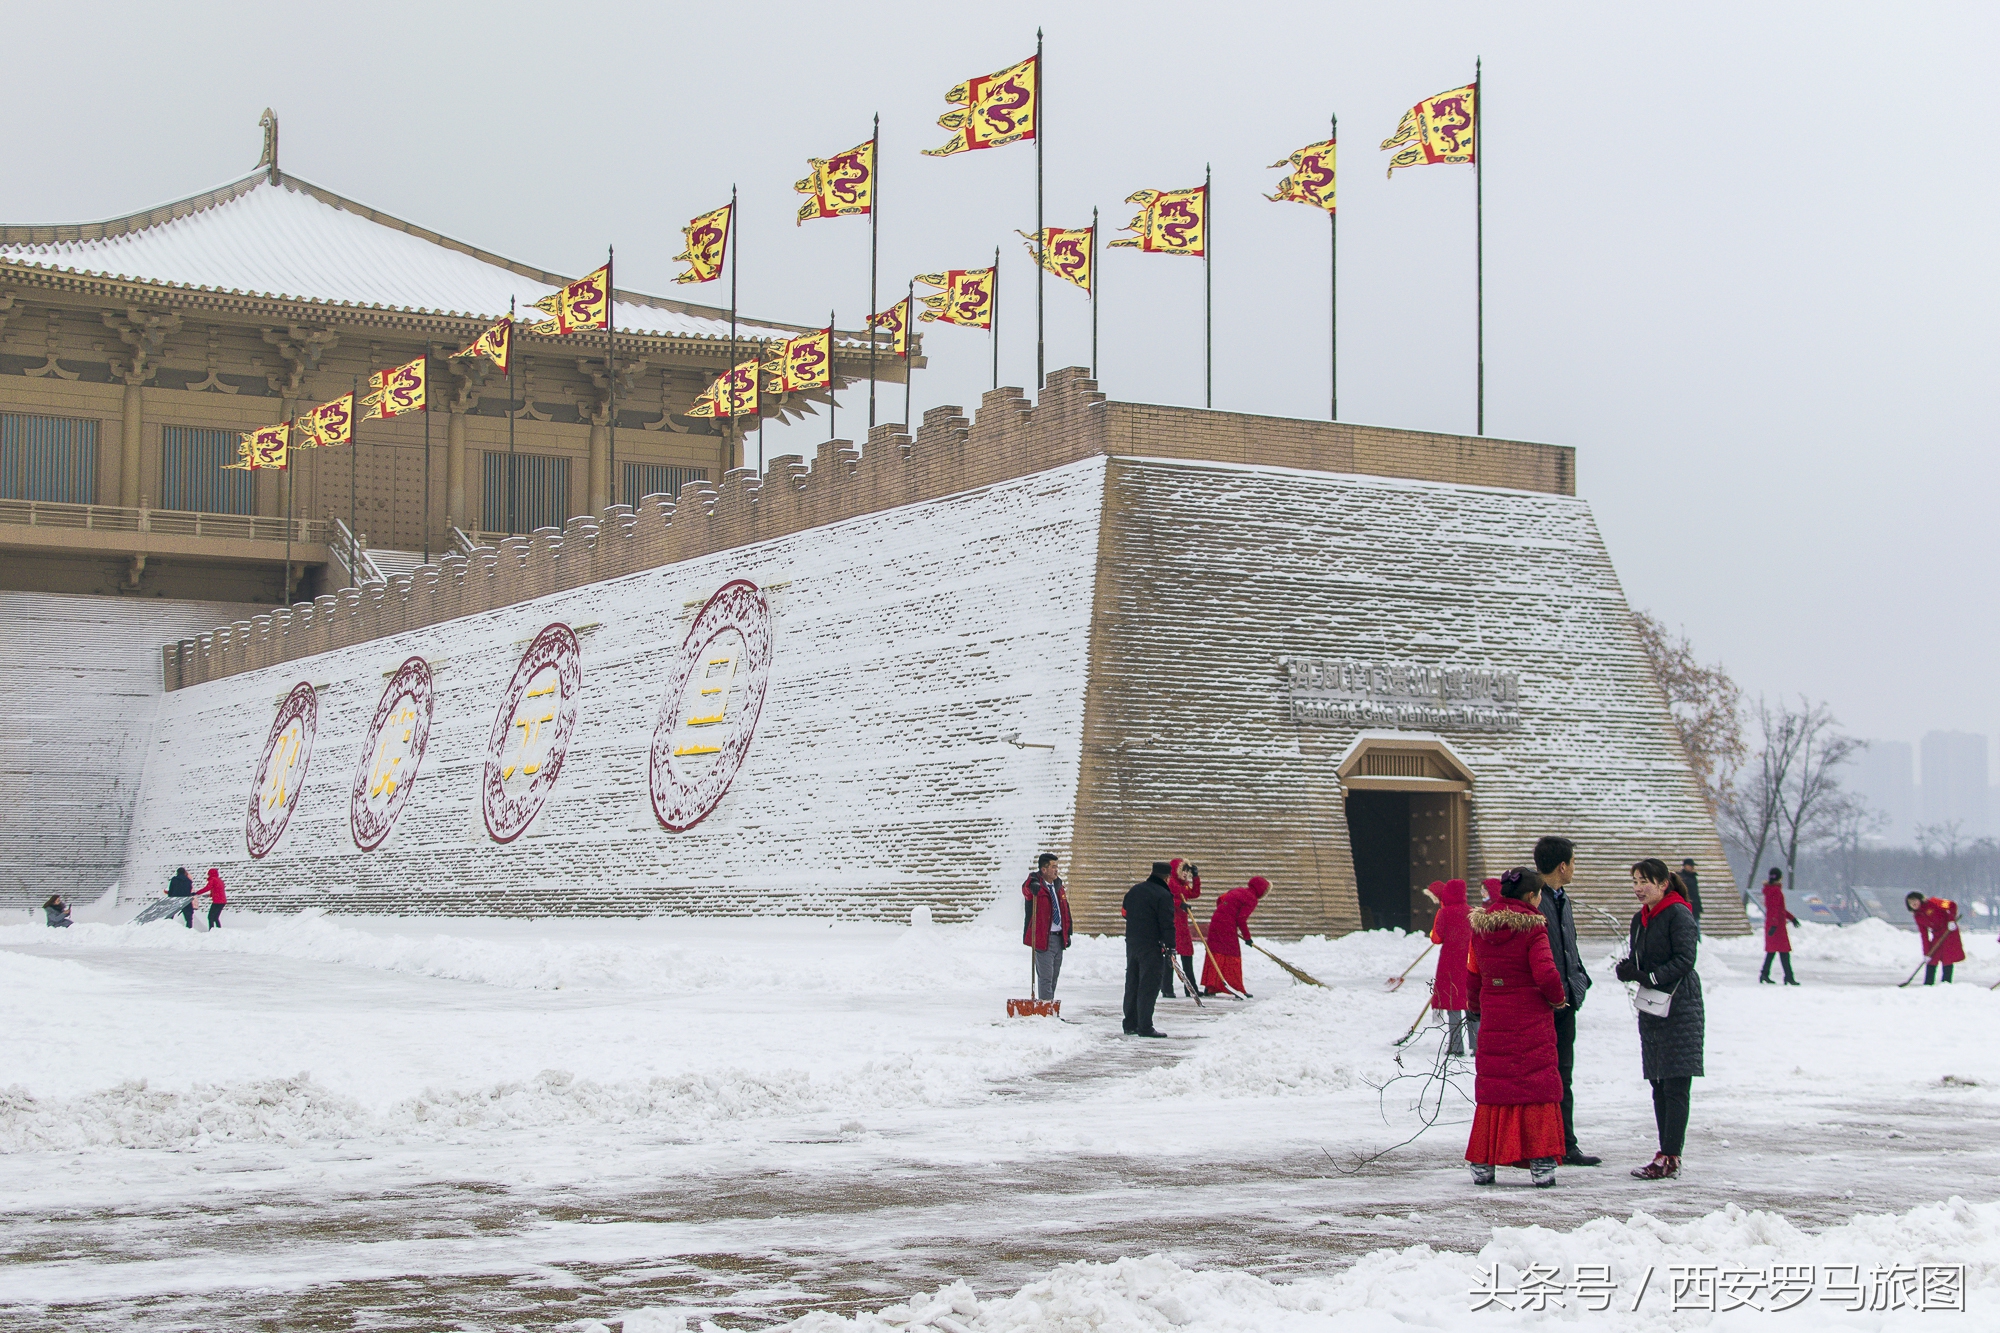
x,y
1300,973
1181,968
1033,1008
1929,958
1396,983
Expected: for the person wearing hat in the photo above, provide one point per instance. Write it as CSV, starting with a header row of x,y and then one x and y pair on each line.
x,y
1692,883
1228,932
1184,883
1149,938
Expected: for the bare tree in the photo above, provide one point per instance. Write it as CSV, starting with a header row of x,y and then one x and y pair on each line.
x,y
1707,707
1811,804
1750,808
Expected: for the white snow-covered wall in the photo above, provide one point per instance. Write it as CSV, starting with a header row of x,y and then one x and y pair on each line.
x,y
907,645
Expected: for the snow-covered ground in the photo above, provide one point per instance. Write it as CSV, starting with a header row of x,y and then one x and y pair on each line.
x,y
402,1124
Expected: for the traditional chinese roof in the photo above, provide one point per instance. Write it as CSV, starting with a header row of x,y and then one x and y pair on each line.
x,y
271,236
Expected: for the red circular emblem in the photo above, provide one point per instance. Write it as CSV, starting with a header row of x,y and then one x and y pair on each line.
x,y
715,691
391,754
281,771
524,751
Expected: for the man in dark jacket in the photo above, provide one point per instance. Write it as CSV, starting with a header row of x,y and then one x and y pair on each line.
x,y
1149,939
1555,858
1692,883
180,886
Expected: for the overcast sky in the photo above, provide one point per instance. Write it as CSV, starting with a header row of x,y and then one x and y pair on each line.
x,y
1740,256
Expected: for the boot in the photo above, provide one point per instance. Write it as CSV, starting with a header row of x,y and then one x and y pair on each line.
x,y
1542,1171
1482,1173
1662,1167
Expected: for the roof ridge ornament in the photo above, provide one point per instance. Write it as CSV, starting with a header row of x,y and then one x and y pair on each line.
x,y
269,123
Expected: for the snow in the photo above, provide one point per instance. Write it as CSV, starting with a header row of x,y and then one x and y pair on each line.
x,y
674,1122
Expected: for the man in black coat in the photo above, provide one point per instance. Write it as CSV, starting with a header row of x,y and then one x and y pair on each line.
x,y
1149,940
1555,858
1692,883
180,886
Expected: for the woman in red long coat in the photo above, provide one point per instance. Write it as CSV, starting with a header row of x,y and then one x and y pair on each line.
x,y
1222,966
1516,989
1937,928
1777,939
1184,882
1451,931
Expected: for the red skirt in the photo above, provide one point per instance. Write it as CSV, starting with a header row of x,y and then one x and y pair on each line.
x,y
1515,1135
1222,972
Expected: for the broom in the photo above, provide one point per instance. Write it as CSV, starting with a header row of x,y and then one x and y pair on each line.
x,y
1299,973
1396,983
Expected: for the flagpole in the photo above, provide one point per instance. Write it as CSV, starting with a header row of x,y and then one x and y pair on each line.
x,y
611,364
1093,293
1479,225
763,346
353,463
1041,237
735,244
874,251
288,522
512,413
1208,281
832,402
1333,284
993,316
909,314
427,451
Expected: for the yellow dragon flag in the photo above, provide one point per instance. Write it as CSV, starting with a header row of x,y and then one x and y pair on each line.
x,y
1065,253
267,446
734,393
391,393
804,362
1310,180
707,239
584,304
998,109
1170,222
245,456
1437,129
495,344
966,298
841,187
896,319
328,424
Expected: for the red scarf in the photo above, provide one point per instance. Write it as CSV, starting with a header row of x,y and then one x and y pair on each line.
x,y
1646,914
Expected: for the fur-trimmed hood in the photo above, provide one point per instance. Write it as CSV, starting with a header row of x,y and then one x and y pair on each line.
x,y
1506,914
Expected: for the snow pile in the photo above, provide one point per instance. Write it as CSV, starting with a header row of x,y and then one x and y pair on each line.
x,y
1419,1287
134,1115
1298,1046
1870,943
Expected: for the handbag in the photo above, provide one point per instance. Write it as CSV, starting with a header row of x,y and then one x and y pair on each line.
x,y
1654,1002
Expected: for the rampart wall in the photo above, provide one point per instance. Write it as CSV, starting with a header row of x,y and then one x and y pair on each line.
x,y
949,454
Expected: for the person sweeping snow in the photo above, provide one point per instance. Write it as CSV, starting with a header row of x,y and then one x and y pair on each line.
x,y
1451,931
1515,988
1228,929
1184,882
1937,928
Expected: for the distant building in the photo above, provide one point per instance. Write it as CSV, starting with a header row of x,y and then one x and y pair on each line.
x,y
1954,782
1884,777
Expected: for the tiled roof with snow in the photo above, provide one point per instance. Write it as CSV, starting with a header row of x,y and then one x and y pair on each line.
x,y
290,240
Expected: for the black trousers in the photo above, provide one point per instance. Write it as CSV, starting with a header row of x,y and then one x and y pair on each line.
x,y
215,915
1785,958
1142,986
1670,1112
1565,1063
1930,974
186,911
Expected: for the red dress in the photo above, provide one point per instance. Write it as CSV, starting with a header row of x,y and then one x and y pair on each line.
x,y
1516,989
1222,962
1452,930
1777,939
1937,920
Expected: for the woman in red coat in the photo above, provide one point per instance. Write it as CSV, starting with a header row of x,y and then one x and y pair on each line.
x,y
1222,966
1184,882
1451,931
1516,990
1777,939
217,896
1937,927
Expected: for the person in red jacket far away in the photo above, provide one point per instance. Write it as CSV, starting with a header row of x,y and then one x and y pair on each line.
x,y
1451,931
1937,927
1777,939
217,897
1516,989
1222,965
1184,882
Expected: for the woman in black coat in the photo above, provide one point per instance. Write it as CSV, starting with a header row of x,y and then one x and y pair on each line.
x,y
1661,959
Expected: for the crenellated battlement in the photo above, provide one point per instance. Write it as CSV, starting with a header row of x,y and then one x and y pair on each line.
x,y
1008,437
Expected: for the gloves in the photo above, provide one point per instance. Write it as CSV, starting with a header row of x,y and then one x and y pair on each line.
x,y
1627,970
